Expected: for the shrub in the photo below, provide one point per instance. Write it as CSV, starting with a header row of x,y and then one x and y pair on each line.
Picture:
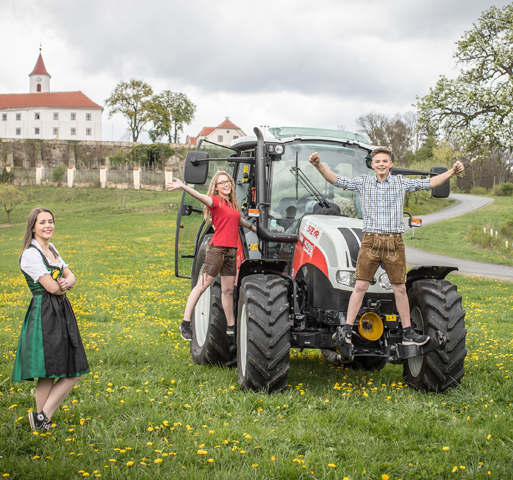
x,y
497,191
507,188
7,177
478,191
58,173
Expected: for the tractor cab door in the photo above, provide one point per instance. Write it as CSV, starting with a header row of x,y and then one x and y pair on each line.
x,y
190,223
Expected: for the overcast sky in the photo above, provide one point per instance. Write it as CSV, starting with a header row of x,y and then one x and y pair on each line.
x,y
279,63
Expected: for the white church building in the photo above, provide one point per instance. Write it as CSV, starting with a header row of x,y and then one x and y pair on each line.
x,y
49,115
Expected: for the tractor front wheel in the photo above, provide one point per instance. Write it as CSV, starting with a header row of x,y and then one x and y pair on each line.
x,y
263,333
436,305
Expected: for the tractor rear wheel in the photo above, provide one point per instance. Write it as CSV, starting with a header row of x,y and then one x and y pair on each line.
x,y
210,344
263,333
436,305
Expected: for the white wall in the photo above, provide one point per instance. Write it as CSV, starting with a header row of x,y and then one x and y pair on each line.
x,y
46,123
227,133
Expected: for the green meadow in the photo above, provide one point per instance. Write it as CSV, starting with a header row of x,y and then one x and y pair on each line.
x,y
146,410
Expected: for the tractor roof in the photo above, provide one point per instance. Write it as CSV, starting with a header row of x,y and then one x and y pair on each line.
x,y
288,134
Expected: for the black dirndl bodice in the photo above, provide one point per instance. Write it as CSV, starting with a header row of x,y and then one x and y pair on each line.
x,y
50,345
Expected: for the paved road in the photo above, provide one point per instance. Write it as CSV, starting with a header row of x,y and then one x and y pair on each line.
x,y
466,204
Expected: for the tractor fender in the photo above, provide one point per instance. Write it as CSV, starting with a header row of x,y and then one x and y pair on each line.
x,y
261,266
424,272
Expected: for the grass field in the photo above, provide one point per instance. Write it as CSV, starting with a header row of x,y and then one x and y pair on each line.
x,y
147,411
449,237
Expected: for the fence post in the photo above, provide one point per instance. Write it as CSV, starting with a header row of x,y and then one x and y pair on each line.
x,y
39,173
168,175
71,176
103,176
137,178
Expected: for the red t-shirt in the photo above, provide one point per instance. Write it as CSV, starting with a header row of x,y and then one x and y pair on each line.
x,y
226,224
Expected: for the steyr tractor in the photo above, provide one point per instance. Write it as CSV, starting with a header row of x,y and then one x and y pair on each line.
x,y
296,274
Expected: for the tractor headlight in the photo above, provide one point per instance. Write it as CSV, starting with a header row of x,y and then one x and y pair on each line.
x,y
273,148
384,281
279,149
346,278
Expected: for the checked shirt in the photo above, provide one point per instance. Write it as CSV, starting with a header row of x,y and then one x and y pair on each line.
x,y
382,202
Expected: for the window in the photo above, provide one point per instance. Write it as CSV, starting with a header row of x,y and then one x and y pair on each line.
x,y
56,131
56,116
88,117
89,131
4,117
219,138
235,137
36,131
38,87
37,116
18,116
73,131
73,116
18,131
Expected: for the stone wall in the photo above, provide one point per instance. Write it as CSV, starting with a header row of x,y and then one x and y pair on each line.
x,y
28,153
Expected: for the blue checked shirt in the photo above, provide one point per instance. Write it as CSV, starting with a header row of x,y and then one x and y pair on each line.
x,y
382,202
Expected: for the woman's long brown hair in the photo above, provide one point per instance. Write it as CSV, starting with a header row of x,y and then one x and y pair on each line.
x,y
29,234
212,191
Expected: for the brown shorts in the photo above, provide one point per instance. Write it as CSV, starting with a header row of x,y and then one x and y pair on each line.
x,y
220,260
386,248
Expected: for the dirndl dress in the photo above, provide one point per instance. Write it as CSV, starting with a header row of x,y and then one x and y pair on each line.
x,y
50,345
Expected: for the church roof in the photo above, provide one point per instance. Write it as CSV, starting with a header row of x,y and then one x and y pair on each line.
x,y
46,99
40,68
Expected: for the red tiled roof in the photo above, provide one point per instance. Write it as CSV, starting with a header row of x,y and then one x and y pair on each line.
x,y
40,68
193,140
205,131
227,124
46,99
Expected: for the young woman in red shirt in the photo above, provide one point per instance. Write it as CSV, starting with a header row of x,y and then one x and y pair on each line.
x,y
220,204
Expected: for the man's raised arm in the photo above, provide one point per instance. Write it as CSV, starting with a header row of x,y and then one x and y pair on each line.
x,y
328,175
443,177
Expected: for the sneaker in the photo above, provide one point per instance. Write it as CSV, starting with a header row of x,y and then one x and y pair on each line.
x,y
230,330
414,338
186,331
345,333
39,421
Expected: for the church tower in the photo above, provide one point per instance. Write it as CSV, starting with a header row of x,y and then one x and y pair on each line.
x,y
39,78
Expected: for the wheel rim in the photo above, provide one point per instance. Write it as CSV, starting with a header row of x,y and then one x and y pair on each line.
x,y
417,321
202,317
243,342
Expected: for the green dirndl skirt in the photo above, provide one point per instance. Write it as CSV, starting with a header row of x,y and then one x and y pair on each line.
x,y
50,345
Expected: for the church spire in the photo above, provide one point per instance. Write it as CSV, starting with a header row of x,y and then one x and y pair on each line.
x,y
39,78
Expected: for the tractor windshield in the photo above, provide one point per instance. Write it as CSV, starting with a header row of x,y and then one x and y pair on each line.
x,y
291,200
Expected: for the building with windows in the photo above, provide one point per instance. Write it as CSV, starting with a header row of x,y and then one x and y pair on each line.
x,y
223,134
46,115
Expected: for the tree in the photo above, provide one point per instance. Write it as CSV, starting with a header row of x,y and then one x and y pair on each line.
x,y
133,100
169,113
397,132
10,196
477,106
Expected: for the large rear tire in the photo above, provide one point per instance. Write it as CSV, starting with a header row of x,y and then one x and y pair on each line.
x,y
263,333
436,305
210,344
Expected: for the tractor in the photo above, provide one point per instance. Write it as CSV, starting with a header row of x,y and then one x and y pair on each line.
x,y
296,273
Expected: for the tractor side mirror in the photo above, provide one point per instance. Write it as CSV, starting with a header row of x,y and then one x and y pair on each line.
x,y
444,190
196,168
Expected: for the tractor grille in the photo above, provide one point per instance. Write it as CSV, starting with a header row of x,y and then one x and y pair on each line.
x,y
330,250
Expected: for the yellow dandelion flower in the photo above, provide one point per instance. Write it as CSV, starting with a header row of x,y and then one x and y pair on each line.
x,y
455,469
331,465
446,449
384,477
129,464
